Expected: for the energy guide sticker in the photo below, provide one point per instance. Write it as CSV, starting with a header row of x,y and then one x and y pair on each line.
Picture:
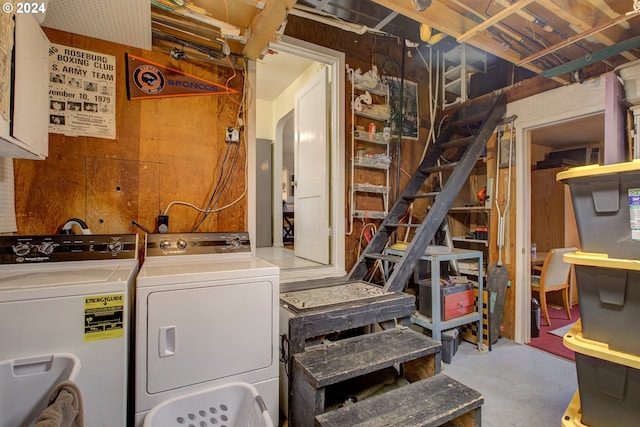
x,y
103,317
634,212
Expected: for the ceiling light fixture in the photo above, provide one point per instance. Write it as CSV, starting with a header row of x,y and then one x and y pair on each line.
x,y
421,5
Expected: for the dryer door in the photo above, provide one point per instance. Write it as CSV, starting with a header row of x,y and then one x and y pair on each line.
x,y
205,331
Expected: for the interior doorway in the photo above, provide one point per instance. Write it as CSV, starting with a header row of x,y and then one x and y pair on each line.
x,y
561,105
283,173
556,148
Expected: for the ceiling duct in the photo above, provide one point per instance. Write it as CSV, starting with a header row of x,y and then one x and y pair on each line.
x,y
220,52
368,14
421,5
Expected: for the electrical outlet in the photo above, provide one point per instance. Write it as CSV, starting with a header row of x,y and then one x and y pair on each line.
x,y
163,223
232,135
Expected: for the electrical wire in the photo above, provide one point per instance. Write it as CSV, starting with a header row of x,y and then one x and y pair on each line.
x,y
433,105
223,180
221,184
140,226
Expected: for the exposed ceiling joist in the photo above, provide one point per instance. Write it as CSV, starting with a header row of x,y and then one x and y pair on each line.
x,y
450,22
521,4
539,35
482,16
264,25
583,19
571,40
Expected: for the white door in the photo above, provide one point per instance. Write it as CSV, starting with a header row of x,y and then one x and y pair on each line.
x,y
311,151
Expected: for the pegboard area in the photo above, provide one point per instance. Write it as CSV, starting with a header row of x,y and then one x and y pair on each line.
x,y
7,201
120,21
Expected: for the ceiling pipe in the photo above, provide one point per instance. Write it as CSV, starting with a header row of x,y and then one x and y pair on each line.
x,y
325,19
226,29
615,49
579,37
386,20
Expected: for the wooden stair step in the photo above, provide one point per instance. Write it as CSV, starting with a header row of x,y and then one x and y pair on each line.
x,y
383,257
468,120
398,224
363,354
440,168
420,195
470,126
341,316
433,401
457,142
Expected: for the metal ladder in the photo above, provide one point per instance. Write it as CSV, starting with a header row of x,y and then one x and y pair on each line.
x,y
468,129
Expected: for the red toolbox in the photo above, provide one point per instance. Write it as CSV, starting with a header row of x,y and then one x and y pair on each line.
x,y
456,299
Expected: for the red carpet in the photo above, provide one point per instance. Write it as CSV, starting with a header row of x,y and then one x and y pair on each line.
x,y
552,343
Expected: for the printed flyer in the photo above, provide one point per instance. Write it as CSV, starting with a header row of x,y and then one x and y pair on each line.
x,y
82,92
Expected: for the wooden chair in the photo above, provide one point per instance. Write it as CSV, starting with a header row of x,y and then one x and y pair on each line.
x,y
554,276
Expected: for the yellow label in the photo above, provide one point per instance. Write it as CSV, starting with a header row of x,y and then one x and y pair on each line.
x,y
103,317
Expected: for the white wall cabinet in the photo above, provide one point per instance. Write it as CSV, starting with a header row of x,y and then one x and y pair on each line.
x,y
26,133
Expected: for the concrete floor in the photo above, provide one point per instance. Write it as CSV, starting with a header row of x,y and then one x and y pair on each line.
x,y
522,386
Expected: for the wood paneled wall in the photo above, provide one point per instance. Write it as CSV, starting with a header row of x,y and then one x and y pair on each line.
x,y
172,149
166,150
364,51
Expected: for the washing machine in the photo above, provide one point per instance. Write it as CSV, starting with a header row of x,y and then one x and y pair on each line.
x,y
207,315
71,294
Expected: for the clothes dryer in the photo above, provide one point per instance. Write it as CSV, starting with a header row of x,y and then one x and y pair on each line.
x,y
207,315
71,294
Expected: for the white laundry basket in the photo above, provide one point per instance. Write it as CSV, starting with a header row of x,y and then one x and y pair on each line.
x,y
235,404
26,383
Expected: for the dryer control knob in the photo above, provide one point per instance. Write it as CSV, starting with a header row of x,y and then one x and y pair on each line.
x,y
165,244
182,244
115,247
46,248
235,242
21,249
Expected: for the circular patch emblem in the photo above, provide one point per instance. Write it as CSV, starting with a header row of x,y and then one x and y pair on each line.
x,y
148,79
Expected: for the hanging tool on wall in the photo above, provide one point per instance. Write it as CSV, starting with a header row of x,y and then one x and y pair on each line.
x,y
501,133
498,275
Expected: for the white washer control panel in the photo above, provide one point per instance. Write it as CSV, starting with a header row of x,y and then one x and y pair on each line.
x,y
65,247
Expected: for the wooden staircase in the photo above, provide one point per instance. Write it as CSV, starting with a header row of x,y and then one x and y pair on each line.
x,y
468,130
317,367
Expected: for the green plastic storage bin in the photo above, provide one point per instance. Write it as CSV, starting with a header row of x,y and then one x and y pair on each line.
x,y
606,201
609,297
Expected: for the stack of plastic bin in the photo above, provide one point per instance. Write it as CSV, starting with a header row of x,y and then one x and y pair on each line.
x,y
606,201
